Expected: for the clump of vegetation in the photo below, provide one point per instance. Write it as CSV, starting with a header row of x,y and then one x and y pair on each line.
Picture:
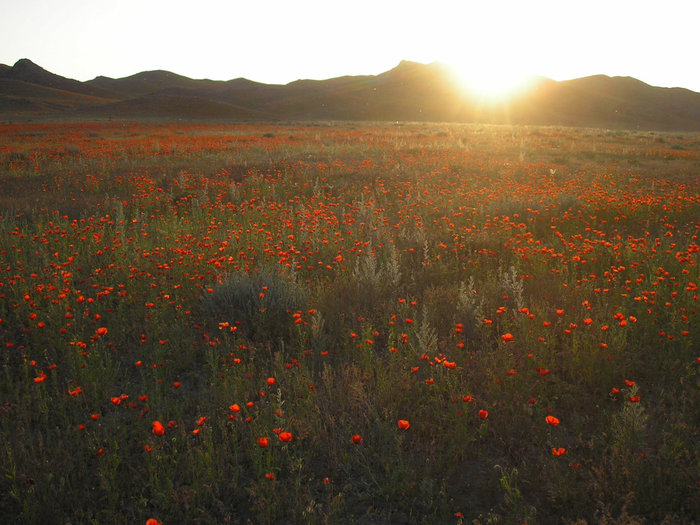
x,y
260,303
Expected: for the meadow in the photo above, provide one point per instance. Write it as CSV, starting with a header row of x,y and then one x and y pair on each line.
x,y
339,323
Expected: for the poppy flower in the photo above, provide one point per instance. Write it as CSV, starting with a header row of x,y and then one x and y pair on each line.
x,y
558,451
483,414
285,437
263,442
507,338
357,439
403,424
158,428
551,420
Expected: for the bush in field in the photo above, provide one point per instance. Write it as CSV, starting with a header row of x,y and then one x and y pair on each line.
x,y
259,303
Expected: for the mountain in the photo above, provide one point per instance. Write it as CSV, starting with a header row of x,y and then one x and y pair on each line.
x,y
409,92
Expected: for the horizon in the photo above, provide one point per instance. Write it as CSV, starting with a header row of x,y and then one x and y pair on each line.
x,y
491,44
526,77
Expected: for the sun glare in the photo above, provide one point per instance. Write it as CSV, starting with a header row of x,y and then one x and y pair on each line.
x,y
490,82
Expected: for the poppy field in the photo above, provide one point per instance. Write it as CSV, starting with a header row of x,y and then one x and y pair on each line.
x,y
337,323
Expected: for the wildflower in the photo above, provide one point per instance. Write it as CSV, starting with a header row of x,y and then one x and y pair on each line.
x,y
158,429
483,414
403,424
551,420
507,337
270,381
270,476
263,442
285,437
101,331
558,451
357,439
234,408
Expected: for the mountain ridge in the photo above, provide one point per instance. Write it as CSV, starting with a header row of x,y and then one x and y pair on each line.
x,y
410,91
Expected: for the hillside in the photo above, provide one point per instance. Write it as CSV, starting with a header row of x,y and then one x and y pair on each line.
x,y
409,92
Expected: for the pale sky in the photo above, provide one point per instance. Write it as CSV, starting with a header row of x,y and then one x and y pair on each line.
x,y
280,41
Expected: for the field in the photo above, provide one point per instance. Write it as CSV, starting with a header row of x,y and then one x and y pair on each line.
x,y
417,323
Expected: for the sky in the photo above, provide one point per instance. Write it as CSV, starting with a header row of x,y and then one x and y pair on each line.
x,y
275,41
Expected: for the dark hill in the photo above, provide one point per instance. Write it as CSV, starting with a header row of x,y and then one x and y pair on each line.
x,y
27,71
148,82
409,92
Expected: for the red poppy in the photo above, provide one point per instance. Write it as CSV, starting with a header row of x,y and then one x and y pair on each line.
x,y
357,439
403,424
158,428
558,451
263,442
551,420
507,337
483,414
285,437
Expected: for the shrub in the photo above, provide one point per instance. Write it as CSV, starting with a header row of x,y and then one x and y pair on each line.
x,y
259,303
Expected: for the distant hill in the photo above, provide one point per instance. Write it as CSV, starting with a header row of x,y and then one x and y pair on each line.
x,y
409,92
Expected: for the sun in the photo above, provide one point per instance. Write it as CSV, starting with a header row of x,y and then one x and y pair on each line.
x,y
489,81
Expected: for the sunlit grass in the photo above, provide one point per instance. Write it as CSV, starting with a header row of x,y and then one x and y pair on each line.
x,y
317,323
